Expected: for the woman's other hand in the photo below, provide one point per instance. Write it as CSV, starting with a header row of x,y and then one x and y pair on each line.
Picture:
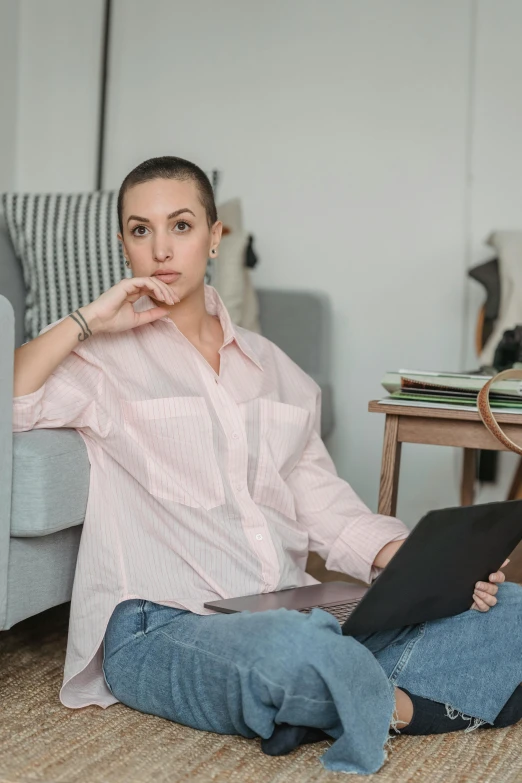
x,y
485,593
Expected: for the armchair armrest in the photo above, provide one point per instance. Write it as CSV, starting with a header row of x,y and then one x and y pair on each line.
x,y
300,323
7,324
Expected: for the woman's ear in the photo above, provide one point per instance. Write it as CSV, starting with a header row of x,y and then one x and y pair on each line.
x,y
120,239
216,232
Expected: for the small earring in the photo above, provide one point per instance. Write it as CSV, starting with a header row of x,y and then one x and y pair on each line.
x,y
213,250
127,262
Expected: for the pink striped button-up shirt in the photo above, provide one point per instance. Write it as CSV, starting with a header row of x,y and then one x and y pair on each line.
x,y
203,486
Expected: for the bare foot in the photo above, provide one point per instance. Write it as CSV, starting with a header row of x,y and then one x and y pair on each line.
x,y
403,709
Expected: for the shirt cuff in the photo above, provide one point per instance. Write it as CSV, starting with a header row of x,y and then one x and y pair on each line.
x,y
355,549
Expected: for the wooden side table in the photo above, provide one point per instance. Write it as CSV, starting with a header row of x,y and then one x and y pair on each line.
x,y
436,427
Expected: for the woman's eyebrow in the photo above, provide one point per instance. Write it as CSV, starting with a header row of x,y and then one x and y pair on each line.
x,y
172,215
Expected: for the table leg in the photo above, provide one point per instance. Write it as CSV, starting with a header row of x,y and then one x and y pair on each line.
x,y
390,467
516,484
467,484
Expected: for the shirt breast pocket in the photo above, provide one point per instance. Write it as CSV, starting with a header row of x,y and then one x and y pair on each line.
x,y
277,434
177,449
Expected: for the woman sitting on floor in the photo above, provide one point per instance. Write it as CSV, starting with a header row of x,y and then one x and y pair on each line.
x,y
209,479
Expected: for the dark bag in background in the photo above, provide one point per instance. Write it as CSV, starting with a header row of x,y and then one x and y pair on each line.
x,y
508,352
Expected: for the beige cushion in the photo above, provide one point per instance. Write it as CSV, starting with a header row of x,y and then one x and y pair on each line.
x,y
230,277
250,314
231,215
227,274
508,244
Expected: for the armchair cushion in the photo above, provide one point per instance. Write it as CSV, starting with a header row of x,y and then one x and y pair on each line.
x,y
51,473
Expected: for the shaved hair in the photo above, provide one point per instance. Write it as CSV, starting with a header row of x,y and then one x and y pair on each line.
x,y
169,167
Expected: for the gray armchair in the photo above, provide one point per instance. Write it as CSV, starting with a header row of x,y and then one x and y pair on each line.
x,y
44,474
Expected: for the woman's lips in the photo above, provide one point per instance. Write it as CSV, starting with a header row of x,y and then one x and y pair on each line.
x,y
168,278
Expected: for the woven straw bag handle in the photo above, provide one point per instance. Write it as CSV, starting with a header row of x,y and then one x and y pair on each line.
x,y
486,415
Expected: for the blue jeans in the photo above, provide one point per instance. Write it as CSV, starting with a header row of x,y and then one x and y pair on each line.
x,y
244,673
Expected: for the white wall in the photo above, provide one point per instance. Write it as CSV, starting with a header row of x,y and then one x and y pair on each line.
x,y
496,155
8,91
343,127
375,145
497,138
58,94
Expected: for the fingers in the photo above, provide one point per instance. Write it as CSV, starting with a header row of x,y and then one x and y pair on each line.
x,y
164,292
485,593
484,599
159,289
487,588
499,576
169,293
147,316
482,603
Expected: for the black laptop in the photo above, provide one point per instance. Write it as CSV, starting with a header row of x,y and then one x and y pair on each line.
x,y
432,575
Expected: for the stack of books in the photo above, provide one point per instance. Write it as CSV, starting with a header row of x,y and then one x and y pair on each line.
x,y
453,391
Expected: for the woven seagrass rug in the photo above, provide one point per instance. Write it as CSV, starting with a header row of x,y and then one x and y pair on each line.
x,y
41,740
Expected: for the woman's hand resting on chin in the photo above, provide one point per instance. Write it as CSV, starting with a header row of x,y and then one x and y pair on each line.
x,y
113,310
484,595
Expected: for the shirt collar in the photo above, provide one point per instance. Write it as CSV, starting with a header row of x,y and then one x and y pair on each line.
x,y
214,306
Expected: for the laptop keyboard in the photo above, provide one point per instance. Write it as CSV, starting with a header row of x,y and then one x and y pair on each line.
x,y
341,612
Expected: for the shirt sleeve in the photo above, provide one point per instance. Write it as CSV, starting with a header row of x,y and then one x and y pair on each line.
x,y
341,528
68,398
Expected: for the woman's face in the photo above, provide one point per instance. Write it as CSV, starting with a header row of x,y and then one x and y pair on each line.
x,y
165,228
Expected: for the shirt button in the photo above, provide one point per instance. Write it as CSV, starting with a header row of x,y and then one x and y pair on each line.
x,y
259,537
239,487
235,435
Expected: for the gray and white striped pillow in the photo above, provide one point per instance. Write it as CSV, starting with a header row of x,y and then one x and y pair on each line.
x,y
68,250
